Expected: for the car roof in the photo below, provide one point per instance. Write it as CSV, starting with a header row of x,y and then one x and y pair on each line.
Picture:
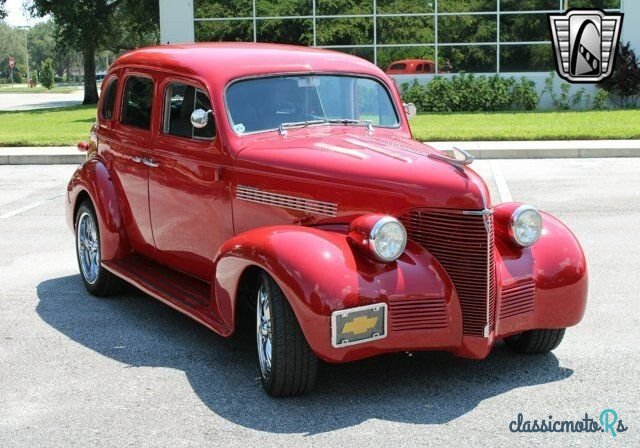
x,y
224,61
412,61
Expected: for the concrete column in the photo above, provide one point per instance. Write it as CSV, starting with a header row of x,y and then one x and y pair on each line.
x,y
176,22
630,28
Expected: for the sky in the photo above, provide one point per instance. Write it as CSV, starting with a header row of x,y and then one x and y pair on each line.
x,y
17,16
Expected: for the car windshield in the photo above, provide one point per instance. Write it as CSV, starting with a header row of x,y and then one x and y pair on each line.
x,y
261,104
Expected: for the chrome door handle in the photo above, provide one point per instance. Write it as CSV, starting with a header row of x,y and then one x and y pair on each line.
x,y
149,162
136,159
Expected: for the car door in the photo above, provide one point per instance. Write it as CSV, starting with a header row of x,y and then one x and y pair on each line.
x,y
189,197
129,141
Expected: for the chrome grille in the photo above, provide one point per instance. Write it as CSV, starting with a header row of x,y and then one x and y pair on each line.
x,y
517,299
418,314
252,194
463,243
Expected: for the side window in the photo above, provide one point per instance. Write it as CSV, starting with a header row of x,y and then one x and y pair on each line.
x,y
419,68
202,102
109,103
181,101
136,102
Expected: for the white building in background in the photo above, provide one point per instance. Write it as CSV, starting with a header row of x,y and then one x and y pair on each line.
x,y
508,37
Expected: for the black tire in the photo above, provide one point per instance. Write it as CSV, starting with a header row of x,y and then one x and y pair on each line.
x,y
536,341
294,366
106,283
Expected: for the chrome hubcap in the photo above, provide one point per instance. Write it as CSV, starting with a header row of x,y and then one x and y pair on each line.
x,y
263,331
88,248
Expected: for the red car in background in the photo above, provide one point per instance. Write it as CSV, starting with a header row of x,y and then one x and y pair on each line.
x,y
411,67
280,186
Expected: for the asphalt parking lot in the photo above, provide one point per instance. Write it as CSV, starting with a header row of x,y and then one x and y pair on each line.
x,y
128,371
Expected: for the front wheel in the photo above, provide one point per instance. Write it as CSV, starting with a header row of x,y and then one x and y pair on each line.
x,y
535,341
97,280
287,365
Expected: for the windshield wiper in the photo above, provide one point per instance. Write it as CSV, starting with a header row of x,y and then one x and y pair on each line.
x,y
347,121
294,124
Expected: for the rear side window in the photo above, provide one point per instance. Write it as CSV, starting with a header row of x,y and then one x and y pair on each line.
x,y
398,66
136,102
182,100
109,103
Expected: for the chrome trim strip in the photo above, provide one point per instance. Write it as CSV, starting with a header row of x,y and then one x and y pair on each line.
x,y
486,211
334,333
340,150
374,147
253,194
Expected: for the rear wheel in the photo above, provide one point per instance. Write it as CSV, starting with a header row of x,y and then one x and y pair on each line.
x,y
96,278
536,341
287,365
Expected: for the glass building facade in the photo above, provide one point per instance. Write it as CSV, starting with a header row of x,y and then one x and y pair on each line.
x,y
474,36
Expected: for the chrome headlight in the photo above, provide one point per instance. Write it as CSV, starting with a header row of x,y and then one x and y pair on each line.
x,y
383,237
388,239
526,225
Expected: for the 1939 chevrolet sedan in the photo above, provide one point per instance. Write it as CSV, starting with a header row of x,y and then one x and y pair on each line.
x,y
280,186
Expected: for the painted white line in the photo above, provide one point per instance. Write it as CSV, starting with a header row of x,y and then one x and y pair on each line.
x,y
29,207
503,188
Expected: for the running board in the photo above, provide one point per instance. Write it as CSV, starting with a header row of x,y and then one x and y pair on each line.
x,y
180,291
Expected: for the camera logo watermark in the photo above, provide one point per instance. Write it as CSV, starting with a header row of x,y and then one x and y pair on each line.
x,y
608,422
585,42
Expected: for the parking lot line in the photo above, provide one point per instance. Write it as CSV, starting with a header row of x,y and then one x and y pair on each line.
x,y
29,207
503,188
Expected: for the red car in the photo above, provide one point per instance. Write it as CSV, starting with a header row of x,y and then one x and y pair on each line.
x,y
280,187
411,67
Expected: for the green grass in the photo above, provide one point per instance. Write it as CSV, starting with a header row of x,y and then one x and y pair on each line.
x,y
591,125
46,127
67,126
22,88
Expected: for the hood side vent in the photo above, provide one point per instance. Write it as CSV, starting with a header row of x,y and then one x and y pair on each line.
x,y
252,194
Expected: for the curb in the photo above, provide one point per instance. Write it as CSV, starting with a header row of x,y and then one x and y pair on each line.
x,y
570,149
59,155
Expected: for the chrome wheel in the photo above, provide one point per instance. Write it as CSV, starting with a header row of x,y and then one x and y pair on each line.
x,y
88,246
263,331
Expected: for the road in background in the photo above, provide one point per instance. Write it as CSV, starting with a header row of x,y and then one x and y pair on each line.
x,y
30,101
80,371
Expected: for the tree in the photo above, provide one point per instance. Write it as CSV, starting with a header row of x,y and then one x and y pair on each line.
x,y
3,12
624,84
89,25
47,74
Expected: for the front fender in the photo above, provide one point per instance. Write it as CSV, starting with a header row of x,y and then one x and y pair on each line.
x,y
92,179
320,272
557,266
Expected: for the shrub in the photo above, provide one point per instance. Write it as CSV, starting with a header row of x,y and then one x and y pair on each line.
x,y
47,74
470,93
600,100
525,96
624,83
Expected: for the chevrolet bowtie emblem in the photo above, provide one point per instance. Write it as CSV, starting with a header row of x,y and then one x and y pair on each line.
x,y
585,42
360,325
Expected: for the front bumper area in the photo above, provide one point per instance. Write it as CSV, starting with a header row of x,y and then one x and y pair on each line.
x,y
544,286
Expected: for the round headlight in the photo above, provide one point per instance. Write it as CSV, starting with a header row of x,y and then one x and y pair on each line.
x,y
526,225
388,238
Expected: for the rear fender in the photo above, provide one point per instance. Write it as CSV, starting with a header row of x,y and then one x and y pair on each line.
x,y
92,179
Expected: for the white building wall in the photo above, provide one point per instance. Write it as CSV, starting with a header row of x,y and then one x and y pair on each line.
x,y
176,21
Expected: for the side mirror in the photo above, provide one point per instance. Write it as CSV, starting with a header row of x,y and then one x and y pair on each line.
x,y
200,118
410,109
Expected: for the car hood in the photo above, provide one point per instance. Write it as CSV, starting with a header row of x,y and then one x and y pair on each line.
x,y
380,172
